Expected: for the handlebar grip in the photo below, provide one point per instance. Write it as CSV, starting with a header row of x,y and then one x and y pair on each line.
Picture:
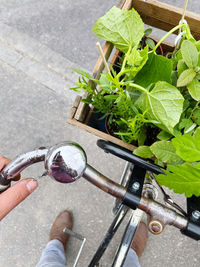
x,y
18,164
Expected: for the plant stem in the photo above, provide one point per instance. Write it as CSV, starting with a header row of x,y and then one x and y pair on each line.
x,y
167,34
125,59
184,11
138,87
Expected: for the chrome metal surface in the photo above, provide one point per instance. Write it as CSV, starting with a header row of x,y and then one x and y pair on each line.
x,y
196,214
149,191
122,251
155,227
167,198
65,162
79,237
104,183
123,181
20,163
109,235
162,213
4,187
126,174
136,186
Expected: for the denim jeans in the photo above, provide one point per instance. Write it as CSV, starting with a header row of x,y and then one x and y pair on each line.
x,y
54,256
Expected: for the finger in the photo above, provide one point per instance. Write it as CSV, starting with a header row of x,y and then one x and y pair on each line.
x,y
16,194
3,162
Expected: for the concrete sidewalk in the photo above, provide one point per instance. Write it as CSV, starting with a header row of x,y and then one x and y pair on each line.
x,y
40,41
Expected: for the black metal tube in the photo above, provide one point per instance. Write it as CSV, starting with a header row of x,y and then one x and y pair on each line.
x,y
128,156
108,236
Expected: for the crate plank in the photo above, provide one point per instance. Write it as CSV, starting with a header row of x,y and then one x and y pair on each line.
x,y
77,101
165,17
71,113
100,134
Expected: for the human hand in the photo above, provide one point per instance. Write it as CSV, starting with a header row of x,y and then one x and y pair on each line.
x,y
15,194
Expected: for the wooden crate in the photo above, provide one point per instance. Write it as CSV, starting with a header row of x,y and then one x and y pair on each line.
x,y
153,13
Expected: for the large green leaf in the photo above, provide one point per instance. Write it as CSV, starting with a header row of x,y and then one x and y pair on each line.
x,y
187,147
143,151
194,89
182,179
187,124
189,53
165,104
186,77
83,73
181,66
164,136
150,43
123,28
157,68
165,151
196,116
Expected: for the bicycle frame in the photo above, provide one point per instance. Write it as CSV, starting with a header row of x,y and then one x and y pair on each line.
x,y
120,212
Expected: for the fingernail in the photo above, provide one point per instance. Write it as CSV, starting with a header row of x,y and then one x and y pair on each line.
x,y
31,186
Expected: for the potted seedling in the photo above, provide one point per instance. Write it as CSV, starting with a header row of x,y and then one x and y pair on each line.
x,y
151,100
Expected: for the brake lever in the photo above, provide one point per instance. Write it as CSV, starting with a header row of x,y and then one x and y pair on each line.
x,y
167,198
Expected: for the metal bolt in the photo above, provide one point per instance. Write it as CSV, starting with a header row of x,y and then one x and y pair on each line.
x,y
196,214
136,186
155,227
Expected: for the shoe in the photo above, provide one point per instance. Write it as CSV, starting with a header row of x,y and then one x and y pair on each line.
x,y
64,219
140,239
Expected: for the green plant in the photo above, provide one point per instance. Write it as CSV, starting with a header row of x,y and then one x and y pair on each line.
x,y
152,100
185,177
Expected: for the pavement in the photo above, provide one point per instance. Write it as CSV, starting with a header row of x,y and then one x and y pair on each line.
x,y
40,41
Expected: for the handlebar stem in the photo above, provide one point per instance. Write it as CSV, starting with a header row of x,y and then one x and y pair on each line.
x,y
162,213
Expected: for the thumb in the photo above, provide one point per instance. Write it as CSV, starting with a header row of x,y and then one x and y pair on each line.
x,y
16,194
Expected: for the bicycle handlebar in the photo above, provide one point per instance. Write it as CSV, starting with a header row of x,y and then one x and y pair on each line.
x,y
66,162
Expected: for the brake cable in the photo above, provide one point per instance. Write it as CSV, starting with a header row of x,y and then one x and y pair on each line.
x,y
166,197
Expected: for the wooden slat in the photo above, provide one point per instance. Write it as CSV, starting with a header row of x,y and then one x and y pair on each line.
x,y
100,134
71,113
89,115
81,111
165,17
167,46
77,101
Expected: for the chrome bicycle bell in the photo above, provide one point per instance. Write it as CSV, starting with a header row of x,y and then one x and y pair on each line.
x,y
65,162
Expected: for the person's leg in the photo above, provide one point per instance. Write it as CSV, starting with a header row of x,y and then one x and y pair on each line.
x,y
54,253
137,247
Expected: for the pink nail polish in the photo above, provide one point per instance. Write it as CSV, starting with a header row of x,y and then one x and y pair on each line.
x,y
31,186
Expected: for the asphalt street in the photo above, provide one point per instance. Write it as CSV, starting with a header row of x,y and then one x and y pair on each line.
x,y
40,42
